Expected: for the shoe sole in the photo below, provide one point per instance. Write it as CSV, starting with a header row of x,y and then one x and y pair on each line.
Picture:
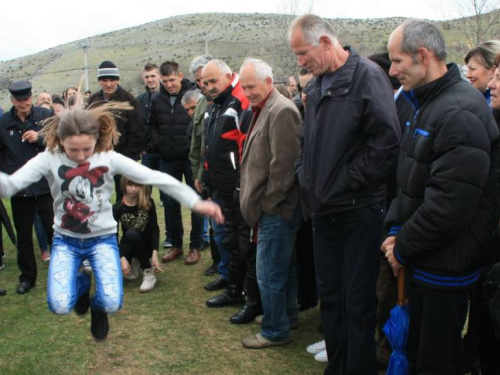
x,y
268,344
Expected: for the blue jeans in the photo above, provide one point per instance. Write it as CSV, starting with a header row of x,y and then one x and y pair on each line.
x,y
206,234
41,236
346,251
277,274
219,234
173,216
66,283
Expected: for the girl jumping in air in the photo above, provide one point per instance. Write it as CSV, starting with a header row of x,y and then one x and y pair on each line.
x,y
79,164
141,236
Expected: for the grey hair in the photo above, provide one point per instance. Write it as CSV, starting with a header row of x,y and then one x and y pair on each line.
x,y
221,66
262,69
313,28
485,53
419,33
198,63
190,96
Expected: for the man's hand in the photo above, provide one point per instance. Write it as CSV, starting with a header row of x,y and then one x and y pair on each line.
x,y
30,136
198,186
389,243
395,265
209,208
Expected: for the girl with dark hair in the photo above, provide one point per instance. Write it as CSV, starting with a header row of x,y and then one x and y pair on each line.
x,y
79,164
137,215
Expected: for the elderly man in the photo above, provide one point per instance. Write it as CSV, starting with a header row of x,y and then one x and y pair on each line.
x,y
20,142
223,141
291,85
350,137
269,200
129,123
438,220
42,98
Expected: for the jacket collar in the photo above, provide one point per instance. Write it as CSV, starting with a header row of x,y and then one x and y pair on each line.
x,y
228,91
431,90
116,94
186,85
344,74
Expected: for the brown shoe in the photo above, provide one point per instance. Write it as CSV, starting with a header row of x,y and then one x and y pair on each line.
x,y
193,257
173,254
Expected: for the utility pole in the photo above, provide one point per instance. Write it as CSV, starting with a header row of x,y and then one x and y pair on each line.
x,y
86,67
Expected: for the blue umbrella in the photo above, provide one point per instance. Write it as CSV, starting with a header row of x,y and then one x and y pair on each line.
x,y
396,330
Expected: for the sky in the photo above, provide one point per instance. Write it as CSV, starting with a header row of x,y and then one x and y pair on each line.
x,y
32,26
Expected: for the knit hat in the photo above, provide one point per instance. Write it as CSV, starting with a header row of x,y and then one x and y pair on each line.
x,y
107,70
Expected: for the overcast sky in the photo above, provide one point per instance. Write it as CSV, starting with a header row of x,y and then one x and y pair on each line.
x,y
31,26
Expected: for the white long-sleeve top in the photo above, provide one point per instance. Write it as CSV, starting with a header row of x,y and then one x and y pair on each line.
x,y
82,193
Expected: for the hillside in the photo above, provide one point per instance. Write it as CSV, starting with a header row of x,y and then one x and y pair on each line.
x,y
231,37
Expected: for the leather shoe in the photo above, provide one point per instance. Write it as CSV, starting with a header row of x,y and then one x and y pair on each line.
x,y
225,299
24,287
193,257
247,313
212,270
173,254
218,284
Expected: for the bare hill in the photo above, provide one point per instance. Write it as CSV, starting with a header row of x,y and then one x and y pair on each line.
x,y
231,37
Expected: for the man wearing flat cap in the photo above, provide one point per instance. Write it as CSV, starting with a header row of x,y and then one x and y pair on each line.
x,y
129,123
19,142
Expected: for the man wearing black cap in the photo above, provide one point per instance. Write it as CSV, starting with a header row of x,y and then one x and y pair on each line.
x,y
19,142
129,123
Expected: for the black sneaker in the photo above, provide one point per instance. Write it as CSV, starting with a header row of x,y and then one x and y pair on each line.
x,y
166,244
83,303
205,245
99,325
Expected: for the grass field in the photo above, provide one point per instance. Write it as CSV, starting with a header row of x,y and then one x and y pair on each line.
x,y
167,331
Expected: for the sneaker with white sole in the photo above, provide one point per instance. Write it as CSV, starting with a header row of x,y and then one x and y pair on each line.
x,y
148,281
134,270
321,356
317,347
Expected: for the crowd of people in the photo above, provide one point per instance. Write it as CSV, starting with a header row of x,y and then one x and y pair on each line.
x,y
322,190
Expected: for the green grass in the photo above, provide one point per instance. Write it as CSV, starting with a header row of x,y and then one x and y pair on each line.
x,y
167,331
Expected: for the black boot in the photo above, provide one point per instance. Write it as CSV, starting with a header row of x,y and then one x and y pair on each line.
x,y
227,298
247,313
233,294
253,306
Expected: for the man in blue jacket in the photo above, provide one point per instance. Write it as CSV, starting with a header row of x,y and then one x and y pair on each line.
x,y
350,137
19,142
438,220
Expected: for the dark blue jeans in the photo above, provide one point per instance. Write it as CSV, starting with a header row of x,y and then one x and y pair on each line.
x,y
178,170
346,250
277,274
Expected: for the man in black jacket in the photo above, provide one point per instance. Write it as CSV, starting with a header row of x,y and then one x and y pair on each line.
x,y
19,142
350,136
438,220
170,138
129,123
